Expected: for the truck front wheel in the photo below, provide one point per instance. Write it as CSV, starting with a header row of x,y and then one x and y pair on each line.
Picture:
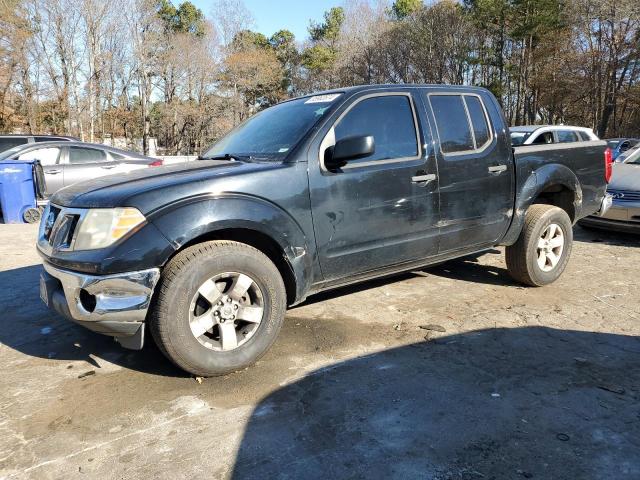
x,y
542,251
219,307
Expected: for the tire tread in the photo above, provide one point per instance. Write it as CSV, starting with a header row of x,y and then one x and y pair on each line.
x,y
159,313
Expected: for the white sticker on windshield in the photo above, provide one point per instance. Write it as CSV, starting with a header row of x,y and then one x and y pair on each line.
x,y
323,98
282,150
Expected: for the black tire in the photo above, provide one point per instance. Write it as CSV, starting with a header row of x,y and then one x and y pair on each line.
x,y
522,257
32,215
181,279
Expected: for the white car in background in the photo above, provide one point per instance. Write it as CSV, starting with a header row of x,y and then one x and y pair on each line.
x,y
546,134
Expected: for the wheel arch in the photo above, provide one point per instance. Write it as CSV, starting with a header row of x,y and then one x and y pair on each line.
x,y
248,220
552,184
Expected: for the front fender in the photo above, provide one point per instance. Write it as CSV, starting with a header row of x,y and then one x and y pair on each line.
x,y
192,218
533,182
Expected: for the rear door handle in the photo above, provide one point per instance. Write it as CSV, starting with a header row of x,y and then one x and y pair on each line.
x,y
423,178
497,169
52,172
108,167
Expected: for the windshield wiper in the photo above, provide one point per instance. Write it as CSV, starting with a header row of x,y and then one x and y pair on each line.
x,y
227,156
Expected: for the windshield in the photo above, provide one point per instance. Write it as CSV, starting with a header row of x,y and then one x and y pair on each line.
x,y
7,154
518,138
272,133
631,156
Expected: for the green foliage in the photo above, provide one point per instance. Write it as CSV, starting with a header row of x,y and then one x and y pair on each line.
x,y
329,30
186,18
403,8
318,58
248,39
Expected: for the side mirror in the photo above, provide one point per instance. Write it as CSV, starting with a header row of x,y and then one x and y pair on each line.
x,y
350,148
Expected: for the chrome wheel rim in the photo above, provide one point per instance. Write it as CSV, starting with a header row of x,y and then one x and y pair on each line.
x,y
550,247
226,311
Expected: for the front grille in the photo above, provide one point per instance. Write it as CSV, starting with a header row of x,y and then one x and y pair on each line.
x,y
50,220
59,227
63,230
625,195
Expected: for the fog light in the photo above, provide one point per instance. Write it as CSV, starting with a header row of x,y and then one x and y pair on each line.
x,y
87,301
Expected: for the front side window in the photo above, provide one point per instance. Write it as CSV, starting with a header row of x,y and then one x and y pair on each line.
x,y
81,155
543,139
389,119
46,156
566,136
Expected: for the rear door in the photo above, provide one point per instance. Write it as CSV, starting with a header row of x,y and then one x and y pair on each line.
x,y
86,163
383,209
475,169
49,158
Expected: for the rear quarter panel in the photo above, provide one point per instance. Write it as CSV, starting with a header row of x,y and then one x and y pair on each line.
x,y
577,166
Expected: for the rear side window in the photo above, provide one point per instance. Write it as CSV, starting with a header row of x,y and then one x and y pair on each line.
x,y
566,136
10,142
80,155
452,122
478,120
389,119
462,122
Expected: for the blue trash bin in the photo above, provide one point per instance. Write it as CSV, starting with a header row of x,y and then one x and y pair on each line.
x,y
17,190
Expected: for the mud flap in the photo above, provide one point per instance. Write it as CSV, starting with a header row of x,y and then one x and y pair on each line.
x,y
133,342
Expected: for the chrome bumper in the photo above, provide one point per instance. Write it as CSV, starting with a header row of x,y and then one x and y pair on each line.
x,y
113,305
119,297
605,205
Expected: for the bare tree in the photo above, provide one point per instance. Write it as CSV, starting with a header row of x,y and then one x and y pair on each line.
x,y
231,17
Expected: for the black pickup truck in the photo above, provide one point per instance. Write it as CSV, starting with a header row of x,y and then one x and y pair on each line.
x,y
311,194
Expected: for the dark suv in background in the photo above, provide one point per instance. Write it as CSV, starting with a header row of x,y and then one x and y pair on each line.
x,y
10,141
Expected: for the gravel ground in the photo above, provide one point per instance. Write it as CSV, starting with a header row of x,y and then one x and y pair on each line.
x,y
453,372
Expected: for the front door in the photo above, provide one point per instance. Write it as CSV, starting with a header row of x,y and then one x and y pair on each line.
x,y
383,209
49,158
475,169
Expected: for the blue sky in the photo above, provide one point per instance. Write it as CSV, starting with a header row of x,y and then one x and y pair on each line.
x,y
272,15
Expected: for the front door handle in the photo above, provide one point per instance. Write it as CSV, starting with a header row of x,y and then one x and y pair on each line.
x,y
52,172
108,167
423,179
498,169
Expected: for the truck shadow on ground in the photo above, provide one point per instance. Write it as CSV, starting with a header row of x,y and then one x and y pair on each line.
x,y
505,403
28,326
592,235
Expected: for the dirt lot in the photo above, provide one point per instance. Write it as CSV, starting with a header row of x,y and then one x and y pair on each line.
x,y
507,382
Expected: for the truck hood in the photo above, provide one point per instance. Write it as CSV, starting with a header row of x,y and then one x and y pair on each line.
x,y
625,177
150,188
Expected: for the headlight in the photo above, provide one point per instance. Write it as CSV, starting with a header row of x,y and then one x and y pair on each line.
x,y
102,227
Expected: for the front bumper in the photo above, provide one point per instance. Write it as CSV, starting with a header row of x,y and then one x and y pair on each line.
x,y
114,305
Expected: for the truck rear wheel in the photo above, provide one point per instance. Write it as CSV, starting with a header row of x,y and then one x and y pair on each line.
x,y
219,307
542,251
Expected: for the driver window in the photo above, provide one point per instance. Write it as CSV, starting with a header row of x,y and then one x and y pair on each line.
x,y
389,119
543,138
46,156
